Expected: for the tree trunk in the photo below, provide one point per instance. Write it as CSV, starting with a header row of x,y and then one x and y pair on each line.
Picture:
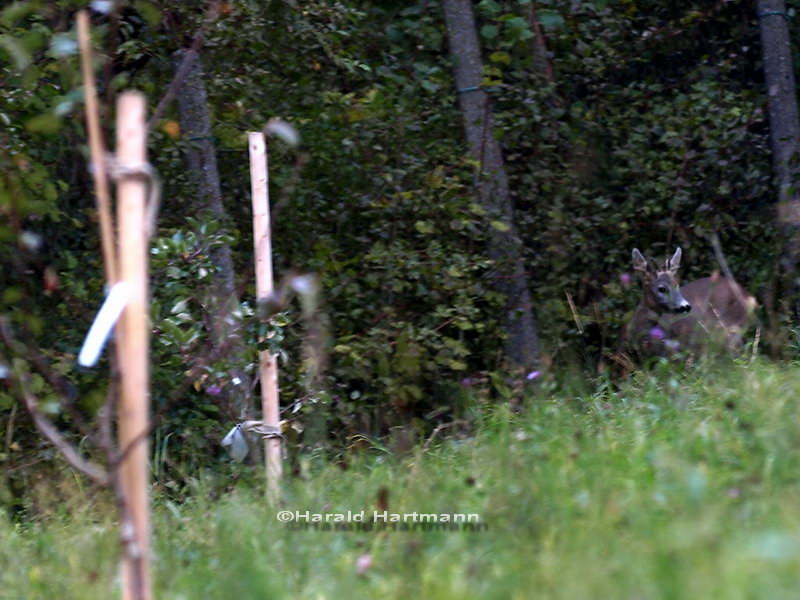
x,y
505,247
541,60
784,128
201,161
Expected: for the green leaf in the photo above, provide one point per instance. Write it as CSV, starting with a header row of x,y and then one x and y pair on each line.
x,y
550,19
46,123
500,226
15,12
490,6
18,54
518,28
179,307
489,31
500,57
425,227
148,11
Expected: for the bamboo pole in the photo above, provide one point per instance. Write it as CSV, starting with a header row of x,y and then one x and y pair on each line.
x,y
268,363
133,338
97,151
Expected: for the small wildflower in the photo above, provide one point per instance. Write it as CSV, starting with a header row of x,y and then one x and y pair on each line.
x,y
363,564
673,345
532,375
466,382
625,278
213,390
657,333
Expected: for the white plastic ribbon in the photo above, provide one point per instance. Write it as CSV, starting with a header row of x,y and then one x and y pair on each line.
x,y
104,322
235,443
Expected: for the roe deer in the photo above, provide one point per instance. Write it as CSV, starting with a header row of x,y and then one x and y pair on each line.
x,y
670,318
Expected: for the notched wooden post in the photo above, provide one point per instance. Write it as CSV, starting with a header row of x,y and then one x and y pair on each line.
x,y
268,363
133,338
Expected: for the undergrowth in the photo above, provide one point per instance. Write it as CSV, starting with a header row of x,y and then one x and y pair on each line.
x,y
667,487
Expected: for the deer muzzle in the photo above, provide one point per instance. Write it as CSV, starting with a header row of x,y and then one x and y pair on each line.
x,y
683,307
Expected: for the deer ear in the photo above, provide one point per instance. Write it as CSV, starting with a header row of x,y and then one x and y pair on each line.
x,y
639,261
674,263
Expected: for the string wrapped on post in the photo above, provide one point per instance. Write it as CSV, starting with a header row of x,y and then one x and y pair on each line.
x,y
118,171
235,442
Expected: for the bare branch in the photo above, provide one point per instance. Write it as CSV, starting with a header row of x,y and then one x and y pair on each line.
x,y
93,471
540,54
212,15
747,303
33,354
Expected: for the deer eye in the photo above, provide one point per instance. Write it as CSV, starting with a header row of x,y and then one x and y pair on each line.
x,y
662,289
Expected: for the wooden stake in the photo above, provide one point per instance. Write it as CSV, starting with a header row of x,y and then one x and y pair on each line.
x,y
97,151
133,338
268,369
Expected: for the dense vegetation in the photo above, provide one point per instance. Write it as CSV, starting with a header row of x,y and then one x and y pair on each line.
x,y
671,487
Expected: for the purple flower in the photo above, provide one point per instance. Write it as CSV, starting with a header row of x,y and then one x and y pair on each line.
x,y
532,375
657,333
673,345
466,382
625,278
363,564
213,390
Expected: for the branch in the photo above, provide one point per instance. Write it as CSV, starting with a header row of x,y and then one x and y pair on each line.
x,y
93,471
748,303
127,538
97,150
212,14
540,45
27,349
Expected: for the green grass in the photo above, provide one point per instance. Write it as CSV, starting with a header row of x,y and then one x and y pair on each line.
x,y
669,488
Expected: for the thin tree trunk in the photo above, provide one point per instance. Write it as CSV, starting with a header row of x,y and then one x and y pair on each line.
x,y
541,59
201,160
505,247
784,127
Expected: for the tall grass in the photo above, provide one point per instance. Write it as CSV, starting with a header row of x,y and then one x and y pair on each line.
x,y
670,487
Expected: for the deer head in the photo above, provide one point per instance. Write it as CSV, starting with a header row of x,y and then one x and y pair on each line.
x,y
662,292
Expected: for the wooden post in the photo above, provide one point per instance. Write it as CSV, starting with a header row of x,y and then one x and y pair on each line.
x,y
97,151
268,369
133,338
